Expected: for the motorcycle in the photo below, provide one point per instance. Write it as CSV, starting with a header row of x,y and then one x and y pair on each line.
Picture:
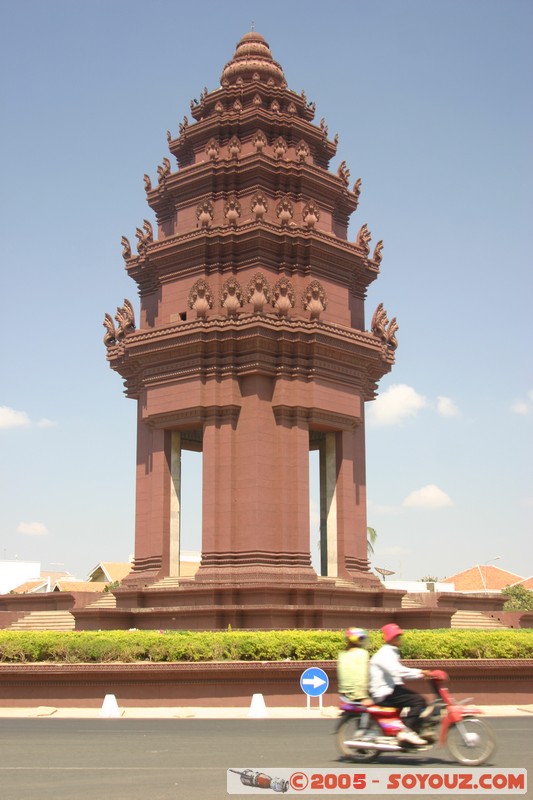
x,y
363,732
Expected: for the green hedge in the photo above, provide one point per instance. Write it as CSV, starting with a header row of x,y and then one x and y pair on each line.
x,y
130,646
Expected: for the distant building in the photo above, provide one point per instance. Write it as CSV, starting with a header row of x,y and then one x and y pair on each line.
x,y
483,578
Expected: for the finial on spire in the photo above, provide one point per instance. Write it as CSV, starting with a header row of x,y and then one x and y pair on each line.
x,y
253,25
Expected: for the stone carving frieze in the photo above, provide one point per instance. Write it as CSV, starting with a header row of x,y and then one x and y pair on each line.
x,y
283,297
201,298
315,300
231,297
258,293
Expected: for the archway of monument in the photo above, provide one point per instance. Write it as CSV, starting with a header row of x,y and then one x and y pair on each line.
x,y
186,499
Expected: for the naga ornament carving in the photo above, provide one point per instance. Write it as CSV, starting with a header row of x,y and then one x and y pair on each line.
x,y
357,189
315,300
212,150
283,297
383,329
258,292
147,183
377,256
259,206
144,236
163,171
125,318
363,239
201,298
204,213
231,297
110,336
344,173
232,211
279,147
234,147
126,248
284,211
302,151
310,214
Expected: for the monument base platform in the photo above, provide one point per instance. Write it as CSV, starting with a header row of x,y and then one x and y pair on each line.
x,y
324,603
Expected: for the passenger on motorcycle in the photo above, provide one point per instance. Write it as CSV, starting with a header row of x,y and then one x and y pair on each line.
x,y
387,674
352,667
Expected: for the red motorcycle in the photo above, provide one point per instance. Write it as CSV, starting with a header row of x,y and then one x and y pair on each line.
x,y
363,732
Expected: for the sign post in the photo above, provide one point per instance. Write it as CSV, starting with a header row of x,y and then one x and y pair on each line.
x,y
314,682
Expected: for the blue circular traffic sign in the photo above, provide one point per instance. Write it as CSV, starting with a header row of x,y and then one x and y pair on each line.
x,y
314,681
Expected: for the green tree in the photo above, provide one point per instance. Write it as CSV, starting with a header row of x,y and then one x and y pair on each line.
x,y
371,536
518,599
429,579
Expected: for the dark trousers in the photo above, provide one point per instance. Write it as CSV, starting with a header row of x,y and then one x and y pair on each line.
x,y
403,698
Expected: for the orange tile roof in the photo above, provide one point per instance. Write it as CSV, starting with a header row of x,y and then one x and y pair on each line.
x,y
481,578
527,583
78,586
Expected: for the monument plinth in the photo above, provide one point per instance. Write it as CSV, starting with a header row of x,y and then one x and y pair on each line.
x,y
251,345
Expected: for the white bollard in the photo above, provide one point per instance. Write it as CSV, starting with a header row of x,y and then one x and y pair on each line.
x,y
258,707
110,707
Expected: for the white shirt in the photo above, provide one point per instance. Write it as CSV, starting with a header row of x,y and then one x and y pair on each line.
x,y
387,671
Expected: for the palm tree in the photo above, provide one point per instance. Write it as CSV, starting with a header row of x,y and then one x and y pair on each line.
x,y
371,536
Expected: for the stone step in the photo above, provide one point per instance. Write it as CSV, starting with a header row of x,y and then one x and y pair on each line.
x,y
475,619
167,583
106,600
409,602
44,621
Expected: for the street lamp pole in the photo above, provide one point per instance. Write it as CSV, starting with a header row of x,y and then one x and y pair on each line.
x,y
484,571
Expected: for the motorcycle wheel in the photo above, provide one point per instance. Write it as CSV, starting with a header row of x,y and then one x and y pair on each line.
x,y
348,730
471,741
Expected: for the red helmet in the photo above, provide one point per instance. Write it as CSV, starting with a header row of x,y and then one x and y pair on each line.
x,y
355,635
391,631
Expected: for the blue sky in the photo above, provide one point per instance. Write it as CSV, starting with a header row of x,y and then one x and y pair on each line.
x,y
432,102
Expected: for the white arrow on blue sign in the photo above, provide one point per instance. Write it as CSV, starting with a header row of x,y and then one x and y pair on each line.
x,y
314,681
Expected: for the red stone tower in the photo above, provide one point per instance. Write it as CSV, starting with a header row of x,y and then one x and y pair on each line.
x,y
251,344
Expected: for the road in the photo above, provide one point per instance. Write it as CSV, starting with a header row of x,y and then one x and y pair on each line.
x,y
72,759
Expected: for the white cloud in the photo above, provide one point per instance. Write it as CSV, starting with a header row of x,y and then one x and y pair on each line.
x,y
10,418
46,423
32,528
397,403
427,497
520,407
446,407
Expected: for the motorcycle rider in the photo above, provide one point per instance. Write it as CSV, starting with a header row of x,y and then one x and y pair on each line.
x,y
352,667
386,678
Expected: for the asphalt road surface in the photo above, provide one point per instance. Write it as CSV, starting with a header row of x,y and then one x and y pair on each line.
x,y
119,759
